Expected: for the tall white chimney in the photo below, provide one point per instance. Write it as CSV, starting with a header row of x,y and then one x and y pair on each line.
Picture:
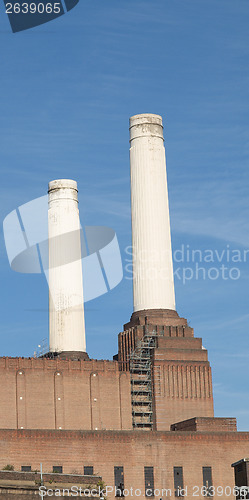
x,y
66,305
153,284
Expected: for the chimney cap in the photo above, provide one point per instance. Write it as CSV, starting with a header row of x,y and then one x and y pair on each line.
x,y
146,125
146,118
62,184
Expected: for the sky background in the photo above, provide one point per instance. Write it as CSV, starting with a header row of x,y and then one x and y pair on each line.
x,y
68,89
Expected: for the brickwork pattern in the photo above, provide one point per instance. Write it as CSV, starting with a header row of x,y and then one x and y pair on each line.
x,y
63,394
133,450
181,373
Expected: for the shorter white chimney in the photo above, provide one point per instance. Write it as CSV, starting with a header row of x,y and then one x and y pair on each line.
x,y
66,305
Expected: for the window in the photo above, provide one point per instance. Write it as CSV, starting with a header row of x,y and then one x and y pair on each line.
x,y
57,469
26,468
149,481
207,480
119,481
241,478
178,481
88,470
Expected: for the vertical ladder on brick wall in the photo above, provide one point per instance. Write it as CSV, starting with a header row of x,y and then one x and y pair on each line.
x,y
141,382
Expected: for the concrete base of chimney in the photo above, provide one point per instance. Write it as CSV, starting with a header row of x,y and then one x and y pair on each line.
x,y
73,355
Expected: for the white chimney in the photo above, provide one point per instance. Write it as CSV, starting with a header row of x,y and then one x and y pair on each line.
x,y
153,283
66,305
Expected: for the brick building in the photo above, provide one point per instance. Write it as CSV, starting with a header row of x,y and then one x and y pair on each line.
x,y
76,414
143,422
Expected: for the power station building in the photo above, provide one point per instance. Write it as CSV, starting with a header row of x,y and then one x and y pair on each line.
x,y
145,421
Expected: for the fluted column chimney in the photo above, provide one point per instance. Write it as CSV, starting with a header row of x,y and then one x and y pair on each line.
x,y
153,284
66,305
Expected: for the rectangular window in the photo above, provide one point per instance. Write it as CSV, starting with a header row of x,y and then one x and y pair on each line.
x,y
149,481
178,481
26,468
88,470
119,481
207,481
57,469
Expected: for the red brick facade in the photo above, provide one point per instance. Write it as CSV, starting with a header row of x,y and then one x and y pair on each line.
x,y
54,394
133,450
181,374
75,413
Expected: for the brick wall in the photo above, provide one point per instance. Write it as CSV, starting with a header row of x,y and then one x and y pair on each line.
x,y
133,450
206,424
90,394
181,374
182,383
54,394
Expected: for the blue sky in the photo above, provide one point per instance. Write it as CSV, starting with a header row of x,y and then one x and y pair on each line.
x,y
68,89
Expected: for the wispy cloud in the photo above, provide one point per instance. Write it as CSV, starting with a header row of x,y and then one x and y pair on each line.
x,y
219,324
212,208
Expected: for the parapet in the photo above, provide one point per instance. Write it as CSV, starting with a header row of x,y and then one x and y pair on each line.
x,y
206,424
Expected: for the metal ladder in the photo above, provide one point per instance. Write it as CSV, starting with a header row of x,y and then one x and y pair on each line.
x,y
141,382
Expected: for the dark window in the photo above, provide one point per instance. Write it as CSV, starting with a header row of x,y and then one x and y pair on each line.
x,y
119,481
207,480
26,468
241,478
57,469
149,481
88,470
178,481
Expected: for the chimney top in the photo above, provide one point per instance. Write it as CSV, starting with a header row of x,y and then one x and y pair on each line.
x,y
145,118
145,125
62,184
